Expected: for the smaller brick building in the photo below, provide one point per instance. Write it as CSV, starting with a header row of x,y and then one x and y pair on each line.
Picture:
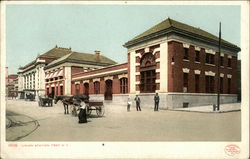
x,y
109,83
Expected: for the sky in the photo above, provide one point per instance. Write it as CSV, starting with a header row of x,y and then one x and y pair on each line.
x,y
35,29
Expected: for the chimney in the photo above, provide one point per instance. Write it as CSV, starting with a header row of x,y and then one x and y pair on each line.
x,y
97,55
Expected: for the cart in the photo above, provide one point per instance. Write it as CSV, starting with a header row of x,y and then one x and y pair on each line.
x,y
97,106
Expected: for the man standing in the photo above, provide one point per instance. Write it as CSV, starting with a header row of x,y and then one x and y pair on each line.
x,y
157,100
138,102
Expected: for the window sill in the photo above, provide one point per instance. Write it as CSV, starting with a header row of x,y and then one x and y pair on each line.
x,y
209,64
229,67
186,60
222,66
197,62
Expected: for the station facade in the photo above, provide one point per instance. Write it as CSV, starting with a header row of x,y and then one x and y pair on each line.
x,y
178,61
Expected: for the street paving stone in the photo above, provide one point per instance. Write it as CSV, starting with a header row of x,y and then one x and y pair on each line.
x,y
120,125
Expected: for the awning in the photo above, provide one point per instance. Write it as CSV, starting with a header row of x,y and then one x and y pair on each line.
x,y
51,75
60,73
55,74
47,76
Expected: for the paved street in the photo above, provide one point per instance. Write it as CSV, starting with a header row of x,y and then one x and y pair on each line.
x,y
120,125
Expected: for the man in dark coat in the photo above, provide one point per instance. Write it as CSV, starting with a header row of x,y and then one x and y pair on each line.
x,y
138,102
157,100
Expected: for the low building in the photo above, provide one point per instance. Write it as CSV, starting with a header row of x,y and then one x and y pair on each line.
x,y
109,83
58,74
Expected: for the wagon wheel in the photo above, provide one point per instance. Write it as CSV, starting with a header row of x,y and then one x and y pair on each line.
x,y
100,111
88,110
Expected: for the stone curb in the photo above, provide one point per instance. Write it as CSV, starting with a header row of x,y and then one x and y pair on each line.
x,y
197,111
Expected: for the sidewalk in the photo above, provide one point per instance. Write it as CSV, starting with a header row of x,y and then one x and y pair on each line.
x,y
230,107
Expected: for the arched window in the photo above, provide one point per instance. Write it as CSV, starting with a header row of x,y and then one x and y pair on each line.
x,y
124,85
147,72
97,87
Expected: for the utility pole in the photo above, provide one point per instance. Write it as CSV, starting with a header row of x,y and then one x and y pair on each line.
x,y
218,70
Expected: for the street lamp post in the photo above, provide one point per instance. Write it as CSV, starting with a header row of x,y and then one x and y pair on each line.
x,y
218,70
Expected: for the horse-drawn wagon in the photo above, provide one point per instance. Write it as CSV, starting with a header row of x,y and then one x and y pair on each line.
x,y
45,100
91,105
98,106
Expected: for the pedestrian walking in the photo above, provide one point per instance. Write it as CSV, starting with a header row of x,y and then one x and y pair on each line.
x,y
129,104
82,114
157,100
138,102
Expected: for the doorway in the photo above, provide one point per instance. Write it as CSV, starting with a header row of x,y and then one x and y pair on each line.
x,y
108,90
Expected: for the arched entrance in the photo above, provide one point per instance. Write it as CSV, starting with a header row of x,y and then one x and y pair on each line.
x,y
147,72
108,90
86,89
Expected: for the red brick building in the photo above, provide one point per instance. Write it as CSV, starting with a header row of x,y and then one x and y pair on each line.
x,y
178,61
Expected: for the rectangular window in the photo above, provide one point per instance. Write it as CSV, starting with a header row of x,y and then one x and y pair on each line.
x,y
185,54
185,82
221,84
197,56
197,83
209,84
123,85
229,62
221,60
209,58
229,85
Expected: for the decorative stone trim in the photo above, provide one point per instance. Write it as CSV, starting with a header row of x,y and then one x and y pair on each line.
x,y
77,82
96,79
222,54
185,70
138,55
157,60
137,73
137,64
197,72
146,49
229,56
61,84
108,78
209,73
157,81
197,48
185,45
85,81
47,86
210,51
53,85
221,75
229,76
157,70
156,50
123,76
209,64
137,82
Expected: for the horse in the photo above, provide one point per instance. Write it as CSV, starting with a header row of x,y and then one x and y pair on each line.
x,y
70,100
